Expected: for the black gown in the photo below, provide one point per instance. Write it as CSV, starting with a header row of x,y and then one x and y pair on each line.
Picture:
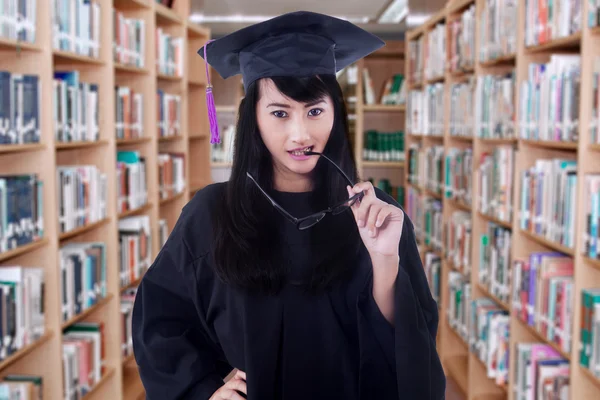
x,y
190,329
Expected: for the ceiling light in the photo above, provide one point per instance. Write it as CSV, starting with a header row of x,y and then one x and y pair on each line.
x,y
417,19
238,18
394,13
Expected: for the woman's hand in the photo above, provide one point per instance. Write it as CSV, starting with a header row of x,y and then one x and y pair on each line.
x,y
229,391
379,223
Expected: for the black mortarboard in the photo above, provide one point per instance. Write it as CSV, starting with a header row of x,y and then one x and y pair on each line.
x,y
300,43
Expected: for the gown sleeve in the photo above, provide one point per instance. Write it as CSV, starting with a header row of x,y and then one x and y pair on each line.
x,y
409,346
175,358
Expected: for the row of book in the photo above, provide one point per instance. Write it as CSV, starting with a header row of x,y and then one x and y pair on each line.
x,y
548,200
593,15
433,269
21,386
435,52
548,20
495,106
426,167
383,146
135,248
75,108
76,26
426,214
594,126
127,301
457,241
82,196
393,91
397,192
425,111
169,53
498,29
549,100
461,43
168,113
458,175
540,373
19,108
591,228
132,185
171,174
462,103
495,261
129,40
589,352
21,210
83,358
129,113
416,59
543,295
495,179
18,20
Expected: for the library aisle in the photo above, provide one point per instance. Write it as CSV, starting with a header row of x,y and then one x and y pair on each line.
x,y
102,118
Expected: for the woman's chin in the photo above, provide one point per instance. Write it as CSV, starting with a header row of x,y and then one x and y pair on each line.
x,y
301,166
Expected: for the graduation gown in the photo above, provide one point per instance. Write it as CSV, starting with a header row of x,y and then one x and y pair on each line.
x,y
190,329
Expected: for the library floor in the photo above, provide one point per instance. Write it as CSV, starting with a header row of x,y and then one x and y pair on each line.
x,y
452,390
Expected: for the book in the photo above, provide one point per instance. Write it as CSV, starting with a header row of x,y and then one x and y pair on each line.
x,y
494,261
498,29
127,301
549,100
458,181
135,248
461,43
129,113
547,20
169,53
535,376
129,40
495,176
82,196
132,186
19,108
435,52
433,266
462,103
20,386
171,174
76,108
19,20
589,349
416,60
21,210
548,200
425,111
383,146
459,304
495,99
76,26
168,114
425,167
457,241
163,231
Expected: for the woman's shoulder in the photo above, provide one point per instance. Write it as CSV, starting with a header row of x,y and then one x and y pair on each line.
x,y
195,222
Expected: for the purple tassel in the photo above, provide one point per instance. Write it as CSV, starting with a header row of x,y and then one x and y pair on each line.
x,y
210,104
212,116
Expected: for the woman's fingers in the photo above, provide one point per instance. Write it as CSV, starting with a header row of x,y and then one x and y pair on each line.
x,y
230,394
241,374
237,384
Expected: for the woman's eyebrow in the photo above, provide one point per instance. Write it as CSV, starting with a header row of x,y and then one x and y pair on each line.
x,y
314,103
278,105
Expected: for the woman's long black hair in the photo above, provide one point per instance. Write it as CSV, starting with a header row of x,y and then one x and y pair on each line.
x,y
244,231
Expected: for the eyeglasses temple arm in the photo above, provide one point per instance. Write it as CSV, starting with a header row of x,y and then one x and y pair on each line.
x,y
277,206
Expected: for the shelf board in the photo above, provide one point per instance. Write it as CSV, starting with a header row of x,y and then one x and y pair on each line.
x,y
499,302
197,31
594,263
82,229
462,73
133,388
130,68
196,82
437,79
220,164
384,107
502,60
80,144
128,359
458,5
19,354
482,364
68,56
110,371
549,144
594,147
171,78
458,204
36,244
131,4
130,285
540,337
594,379
171,199
170,138
166,15
226,108
126,142
497,141
545,242
136,211
572,41
383,164
194,187
197,137
21,148
17,45
85,313
458,369
495,220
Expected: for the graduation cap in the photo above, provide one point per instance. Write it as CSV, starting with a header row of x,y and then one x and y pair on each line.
x,y
299,44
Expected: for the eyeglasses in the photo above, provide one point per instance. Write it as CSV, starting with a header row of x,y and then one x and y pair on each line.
x,y
313,219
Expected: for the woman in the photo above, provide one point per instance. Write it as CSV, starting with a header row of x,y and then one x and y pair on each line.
x,y
291,278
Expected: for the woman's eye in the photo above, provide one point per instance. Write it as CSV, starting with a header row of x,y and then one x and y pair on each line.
x,y
279,114
315,111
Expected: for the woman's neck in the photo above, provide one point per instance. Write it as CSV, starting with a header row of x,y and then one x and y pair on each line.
x,y
287,181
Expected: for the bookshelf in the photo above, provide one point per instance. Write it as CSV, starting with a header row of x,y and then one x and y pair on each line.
x,y
137,74
487,137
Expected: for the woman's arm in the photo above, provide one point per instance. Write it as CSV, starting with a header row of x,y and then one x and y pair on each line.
x,y
385,271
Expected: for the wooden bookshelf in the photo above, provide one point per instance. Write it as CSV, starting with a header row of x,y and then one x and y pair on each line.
x,y
44,357
458,361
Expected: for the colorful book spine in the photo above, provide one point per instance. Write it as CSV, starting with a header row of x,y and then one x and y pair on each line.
x,y
19,20
135,248
458,176
425,111
171,174
549,100
383,146
416,60
461,43
129,113
127,301
540,373
495,175
498,29
494,261
591,204
457,241
132,187
129,40
76,108
433,267
495,106
76,26
459,304
589,350
169,53
19,108
168,114
548,200
462,104
426,167
435,52
548,20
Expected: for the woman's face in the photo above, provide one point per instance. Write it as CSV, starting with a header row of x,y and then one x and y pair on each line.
x,y
288,128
